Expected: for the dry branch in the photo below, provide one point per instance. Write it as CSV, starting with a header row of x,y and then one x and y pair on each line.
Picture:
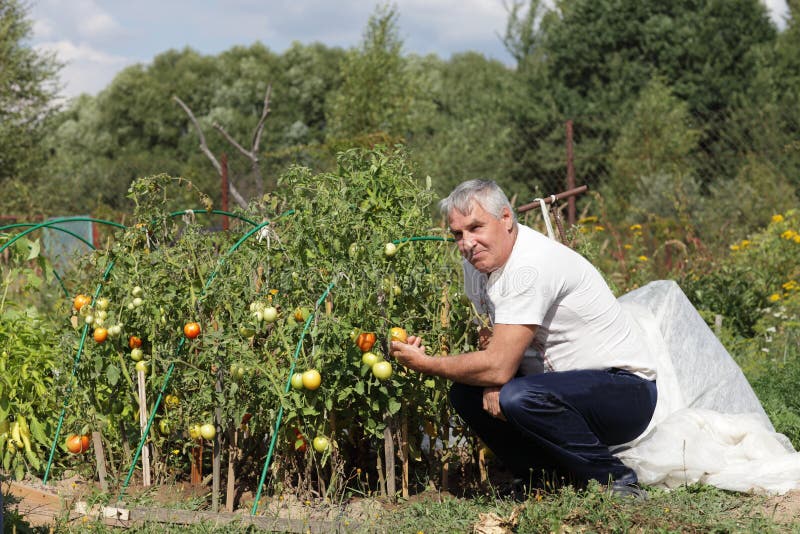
x,y
210,155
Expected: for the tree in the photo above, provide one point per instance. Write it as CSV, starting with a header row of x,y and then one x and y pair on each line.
x,y
27,91
378,93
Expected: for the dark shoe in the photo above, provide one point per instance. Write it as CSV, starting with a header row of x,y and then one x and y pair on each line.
x,y
627,490
515,490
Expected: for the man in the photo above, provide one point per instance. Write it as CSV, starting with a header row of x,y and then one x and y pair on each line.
x,y
563,376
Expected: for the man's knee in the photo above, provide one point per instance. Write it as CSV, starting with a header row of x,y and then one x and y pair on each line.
x,y
520,396
465,399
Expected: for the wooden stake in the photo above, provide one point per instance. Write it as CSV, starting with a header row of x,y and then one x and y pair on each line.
x,y
404,452
143,424
388,450
233,456
100,457
197,463
215,462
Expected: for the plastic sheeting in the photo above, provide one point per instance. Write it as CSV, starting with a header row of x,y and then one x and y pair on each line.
x,y
708,425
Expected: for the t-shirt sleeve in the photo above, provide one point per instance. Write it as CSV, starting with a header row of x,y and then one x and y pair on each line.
x,y
524,295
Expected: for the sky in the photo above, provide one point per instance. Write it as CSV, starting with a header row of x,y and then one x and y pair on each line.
x,y
96,39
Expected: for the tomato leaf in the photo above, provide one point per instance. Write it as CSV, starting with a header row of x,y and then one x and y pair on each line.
x,y
394,406
112,374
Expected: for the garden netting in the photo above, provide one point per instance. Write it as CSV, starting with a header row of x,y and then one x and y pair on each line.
x,y
708,426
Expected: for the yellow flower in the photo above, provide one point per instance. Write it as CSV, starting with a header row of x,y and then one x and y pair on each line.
x,y
775,297
788,234
777,218
584,220
599,228
745,243
627,246
635,227
790,285
796,238
642,258
734,247
273,291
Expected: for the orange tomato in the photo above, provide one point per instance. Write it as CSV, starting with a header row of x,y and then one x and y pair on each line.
x,y
134,342
80,301
398,334
365,341
100,334
191,330
77,444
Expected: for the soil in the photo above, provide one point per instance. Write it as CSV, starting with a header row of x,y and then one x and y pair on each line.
x,y
41,505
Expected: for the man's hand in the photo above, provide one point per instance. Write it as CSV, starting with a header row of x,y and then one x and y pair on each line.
x,y
484,336
411,354
491,402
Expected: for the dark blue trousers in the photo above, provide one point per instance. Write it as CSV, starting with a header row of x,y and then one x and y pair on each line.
x,y
561,424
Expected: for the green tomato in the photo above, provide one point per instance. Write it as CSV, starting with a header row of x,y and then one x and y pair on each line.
x,y
141,366
370,358
382,370
164,428
321,444
137,355
102,303
297,381
270,314
208,431
390,249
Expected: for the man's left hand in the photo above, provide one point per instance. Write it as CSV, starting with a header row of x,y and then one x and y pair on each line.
x,y
491,402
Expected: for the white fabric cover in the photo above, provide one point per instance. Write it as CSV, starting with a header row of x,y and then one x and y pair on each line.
x,y
708,425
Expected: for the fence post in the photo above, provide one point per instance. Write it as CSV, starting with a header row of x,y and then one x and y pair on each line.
x,y
570,175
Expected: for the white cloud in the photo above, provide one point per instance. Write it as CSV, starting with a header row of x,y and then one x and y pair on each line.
x,y
98,25
43,29
86,69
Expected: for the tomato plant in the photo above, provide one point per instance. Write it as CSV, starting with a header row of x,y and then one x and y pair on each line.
x,y
263,315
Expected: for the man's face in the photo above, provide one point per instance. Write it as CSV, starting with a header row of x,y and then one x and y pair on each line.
x,y
485,241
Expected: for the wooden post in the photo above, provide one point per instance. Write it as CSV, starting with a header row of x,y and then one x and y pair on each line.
x,y
570,175
197,463
100,457
143,425
404,452
388,451
233,455
215,462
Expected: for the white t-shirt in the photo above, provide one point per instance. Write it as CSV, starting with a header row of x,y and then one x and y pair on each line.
x,y
581,324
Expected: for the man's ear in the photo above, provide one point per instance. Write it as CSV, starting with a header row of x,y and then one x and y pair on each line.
x,y
508,219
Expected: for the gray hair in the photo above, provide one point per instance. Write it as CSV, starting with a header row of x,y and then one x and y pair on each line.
x,y
485,192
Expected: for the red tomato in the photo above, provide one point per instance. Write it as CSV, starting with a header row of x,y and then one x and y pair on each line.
x,y
191,330
365,341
